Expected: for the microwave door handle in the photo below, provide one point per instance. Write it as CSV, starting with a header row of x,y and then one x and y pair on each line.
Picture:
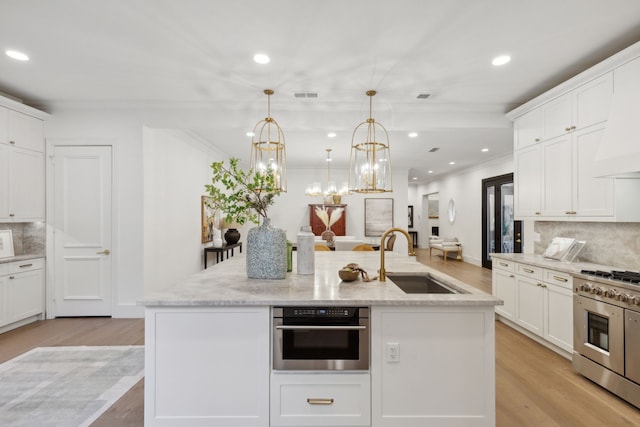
x,y
321,328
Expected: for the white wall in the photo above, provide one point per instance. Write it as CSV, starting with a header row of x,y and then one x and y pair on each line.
x,y
465,189
176,168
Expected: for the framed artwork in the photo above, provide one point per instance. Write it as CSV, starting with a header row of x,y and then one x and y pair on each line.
x,y
410,220
6,244
378,216
208,215
433,209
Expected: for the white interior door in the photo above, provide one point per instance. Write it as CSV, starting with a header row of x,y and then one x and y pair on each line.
x,y
82,230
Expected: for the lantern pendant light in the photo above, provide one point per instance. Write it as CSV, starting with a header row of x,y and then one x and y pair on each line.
x,y
268,151
370,159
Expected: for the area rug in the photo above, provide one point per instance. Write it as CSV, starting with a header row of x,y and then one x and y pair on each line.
x,y
66,386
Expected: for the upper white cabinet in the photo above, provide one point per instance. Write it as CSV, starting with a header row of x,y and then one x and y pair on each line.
x,y
557,141
22,179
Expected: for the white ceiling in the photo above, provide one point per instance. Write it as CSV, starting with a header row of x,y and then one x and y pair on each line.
x,y
190,62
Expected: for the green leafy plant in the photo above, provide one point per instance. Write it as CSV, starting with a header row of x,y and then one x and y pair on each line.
x,y
243,196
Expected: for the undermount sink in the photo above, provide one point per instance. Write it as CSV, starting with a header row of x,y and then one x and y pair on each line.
x,y
417,283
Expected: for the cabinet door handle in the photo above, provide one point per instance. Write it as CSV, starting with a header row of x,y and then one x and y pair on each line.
x,y
537,140
12,214
106,252
527,270
12,277
560,279
320,401
567,129
12,142
511,276
26,265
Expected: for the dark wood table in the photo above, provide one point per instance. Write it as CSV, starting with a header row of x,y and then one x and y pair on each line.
x,y
221,251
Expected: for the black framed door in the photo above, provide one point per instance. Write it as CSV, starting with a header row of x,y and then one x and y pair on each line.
x,y
500,232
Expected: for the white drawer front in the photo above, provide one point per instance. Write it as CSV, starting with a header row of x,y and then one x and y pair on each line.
x,y
320,400
502,264
27,265
529,271
4,269
557,278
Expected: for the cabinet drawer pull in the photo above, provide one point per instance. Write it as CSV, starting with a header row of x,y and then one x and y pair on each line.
x,y
26,265
504,264
12,142
560,279
12,214
511,276
320,401
12,277
528,270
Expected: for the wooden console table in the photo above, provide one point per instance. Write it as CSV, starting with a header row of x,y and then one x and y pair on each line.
x,y
221,251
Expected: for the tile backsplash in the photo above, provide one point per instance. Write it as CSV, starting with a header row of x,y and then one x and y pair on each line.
x,y
613,244
28,237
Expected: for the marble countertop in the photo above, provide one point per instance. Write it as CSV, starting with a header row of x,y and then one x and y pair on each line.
x,y
19,258
226,283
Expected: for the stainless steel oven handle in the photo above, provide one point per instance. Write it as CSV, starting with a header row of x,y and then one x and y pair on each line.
x,y
321,328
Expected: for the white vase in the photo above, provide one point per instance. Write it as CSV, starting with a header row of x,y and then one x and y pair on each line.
x,y
305,251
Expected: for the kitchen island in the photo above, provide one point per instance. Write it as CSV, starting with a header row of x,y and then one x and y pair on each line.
x,y
208,351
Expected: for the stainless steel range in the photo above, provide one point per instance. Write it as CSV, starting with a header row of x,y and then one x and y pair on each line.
x,y
606,331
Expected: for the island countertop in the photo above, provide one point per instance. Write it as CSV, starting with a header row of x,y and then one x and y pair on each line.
x,y
226,283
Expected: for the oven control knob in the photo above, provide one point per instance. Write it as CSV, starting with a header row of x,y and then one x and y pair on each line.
x,y
597,290
612,293
635,300
625,297
585,287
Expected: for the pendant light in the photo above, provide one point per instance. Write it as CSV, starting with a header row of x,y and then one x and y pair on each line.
x,y
331,190
370,160
268,149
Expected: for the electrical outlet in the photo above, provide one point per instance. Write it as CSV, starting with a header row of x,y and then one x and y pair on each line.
x,y
393,352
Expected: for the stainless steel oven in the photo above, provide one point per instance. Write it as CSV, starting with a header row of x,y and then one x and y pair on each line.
x,y
320,338
606,335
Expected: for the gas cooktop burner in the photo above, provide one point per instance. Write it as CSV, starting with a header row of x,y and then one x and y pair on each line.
x,y
624,276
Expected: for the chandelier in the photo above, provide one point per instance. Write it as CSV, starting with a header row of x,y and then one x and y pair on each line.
x,y
370,160
331,193
268,153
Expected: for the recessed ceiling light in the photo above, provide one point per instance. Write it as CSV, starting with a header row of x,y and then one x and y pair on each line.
x,y
484,150
415,178
261,58
17,55
250,134
430,172
501,60
452,163
331,134
413,134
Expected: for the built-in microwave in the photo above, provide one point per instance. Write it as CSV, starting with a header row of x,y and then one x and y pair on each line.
x,y
320,338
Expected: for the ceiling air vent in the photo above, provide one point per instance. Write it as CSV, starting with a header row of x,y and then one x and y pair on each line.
x,y
305,95
434,149
423,95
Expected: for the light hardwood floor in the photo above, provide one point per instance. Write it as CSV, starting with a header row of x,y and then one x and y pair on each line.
x,y
534,386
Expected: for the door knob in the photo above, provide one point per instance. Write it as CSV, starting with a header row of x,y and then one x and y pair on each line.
x,y
106,252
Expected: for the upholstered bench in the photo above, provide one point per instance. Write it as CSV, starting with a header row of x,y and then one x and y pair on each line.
x,y
446,246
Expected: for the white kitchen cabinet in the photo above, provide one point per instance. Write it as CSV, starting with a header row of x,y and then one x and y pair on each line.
x,y
207,366
558,309
557,174
543,301
527,181
583,106
22,194
504,287
528,129
4,125
21,293
441,371
25,131
320,399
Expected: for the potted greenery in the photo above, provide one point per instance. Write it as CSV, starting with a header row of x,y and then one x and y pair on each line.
x,y
246,197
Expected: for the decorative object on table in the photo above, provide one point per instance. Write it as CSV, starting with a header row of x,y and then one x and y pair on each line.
x,y
268,149
378,216
247,197
6,244
332,194
351,271
410,218
328,219
305,251
217,238
209,216
563,249
317,227
370,162
232,235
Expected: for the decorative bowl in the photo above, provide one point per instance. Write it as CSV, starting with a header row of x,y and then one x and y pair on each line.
x,y
348,275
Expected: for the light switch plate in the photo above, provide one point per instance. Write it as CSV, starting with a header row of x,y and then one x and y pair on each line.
x,y
393,352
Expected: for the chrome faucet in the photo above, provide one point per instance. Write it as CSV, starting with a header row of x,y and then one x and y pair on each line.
x,y
383,276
